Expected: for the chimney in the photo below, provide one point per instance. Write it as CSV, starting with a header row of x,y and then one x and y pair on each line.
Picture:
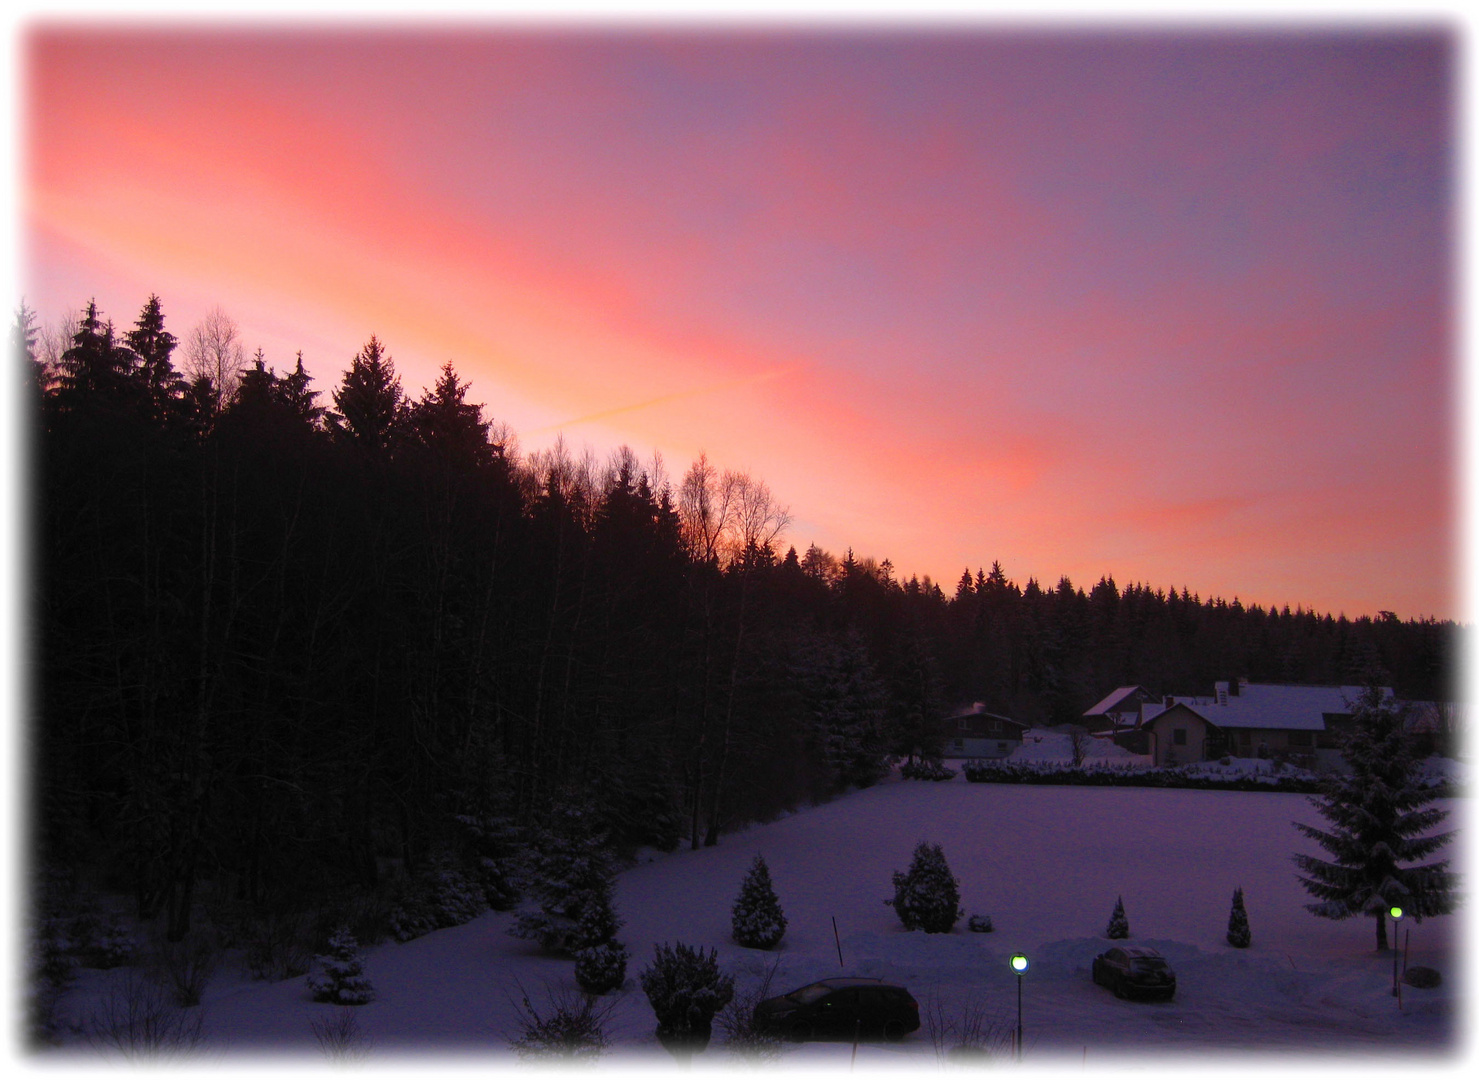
x,y
1221,689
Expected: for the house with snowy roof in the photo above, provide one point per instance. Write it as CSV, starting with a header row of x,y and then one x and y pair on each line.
x,y
1303,723
1120,709
976,733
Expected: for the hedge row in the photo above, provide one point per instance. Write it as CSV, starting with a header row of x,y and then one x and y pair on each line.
x,y
1025,772
979,771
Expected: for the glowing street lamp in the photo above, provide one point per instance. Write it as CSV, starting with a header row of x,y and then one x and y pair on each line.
x,y
1019,965
1396,913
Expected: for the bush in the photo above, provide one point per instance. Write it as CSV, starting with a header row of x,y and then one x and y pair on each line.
x,y
443,895
980,924
923,769
756,918
340,1038
275,946
736,1022
572,1028
685,988
187,966
601,968
138,1019
967,1034
1110,774
927,897
1119,926
1239,936
341,979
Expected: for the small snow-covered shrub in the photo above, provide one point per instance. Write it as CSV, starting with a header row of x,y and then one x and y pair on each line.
x,y
1239,936
341,976
340,1038
685,988
924,769
109,945
570,1028
187,966
276,946
980,924
927,897
756,918
138,1020
736,1022
1119,926
965,1033
601,968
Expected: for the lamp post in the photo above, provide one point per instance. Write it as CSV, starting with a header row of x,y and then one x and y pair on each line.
x,y
1396,914
1019,965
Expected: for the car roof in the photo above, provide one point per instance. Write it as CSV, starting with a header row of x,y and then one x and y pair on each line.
x,y
841,981
1143,952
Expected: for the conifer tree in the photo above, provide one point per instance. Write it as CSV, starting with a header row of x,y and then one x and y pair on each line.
x,y
370,399
927,897
1380,820
1239,936
154,346
572,884
1119,926
293,394
756,918
341,978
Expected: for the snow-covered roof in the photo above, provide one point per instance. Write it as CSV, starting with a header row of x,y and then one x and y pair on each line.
x,y
1109,703
1286,708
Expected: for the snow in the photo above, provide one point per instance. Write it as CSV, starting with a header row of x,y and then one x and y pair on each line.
x,y
1046,863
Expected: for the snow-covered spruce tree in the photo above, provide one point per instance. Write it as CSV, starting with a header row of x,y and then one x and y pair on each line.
x,y
685,988
1380,820
341,978
927,897
1238,934
600,964
571,880
1119,926
756,917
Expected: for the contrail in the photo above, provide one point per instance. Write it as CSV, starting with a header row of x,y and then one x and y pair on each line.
x,y
765,376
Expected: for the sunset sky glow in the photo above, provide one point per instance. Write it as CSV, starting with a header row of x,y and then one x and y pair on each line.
x,y
1176,307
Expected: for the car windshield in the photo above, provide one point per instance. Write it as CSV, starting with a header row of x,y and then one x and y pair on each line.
x,y
808,994
1147,963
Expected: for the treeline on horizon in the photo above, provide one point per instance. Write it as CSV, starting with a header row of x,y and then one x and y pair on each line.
x,y
280,643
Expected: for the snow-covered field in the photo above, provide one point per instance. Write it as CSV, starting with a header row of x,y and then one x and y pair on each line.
x,y
1046,863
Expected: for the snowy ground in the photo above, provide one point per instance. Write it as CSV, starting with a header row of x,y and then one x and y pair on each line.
x,y
1046,863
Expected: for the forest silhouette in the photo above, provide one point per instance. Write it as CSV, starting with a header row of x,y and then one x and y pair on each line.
x,y
283,640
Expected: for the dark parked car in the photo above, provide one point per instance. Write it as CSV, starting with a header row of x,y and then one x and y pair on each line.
x,y
840,1008
1133,971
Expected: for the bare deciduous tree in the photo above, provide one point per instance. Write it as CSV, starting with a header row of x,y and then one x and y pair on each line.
x,y
214,351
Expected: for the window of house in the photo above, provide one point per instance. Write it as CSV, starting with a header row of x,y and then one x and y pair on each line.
x,y
1178,736
1001,746
1300,738
958,744
965,725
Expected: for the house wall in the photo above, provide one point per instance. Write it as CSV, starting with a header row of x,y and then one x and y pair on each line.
x,y
1165,749
970,746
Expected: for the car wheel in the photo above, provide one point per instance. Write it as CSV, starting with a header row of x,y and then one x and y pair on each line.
x,y
800,1031
1119,987
893,1031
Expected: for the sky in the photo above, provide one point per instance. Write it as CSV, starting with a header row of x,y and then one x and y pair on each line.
x,y
1172,305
